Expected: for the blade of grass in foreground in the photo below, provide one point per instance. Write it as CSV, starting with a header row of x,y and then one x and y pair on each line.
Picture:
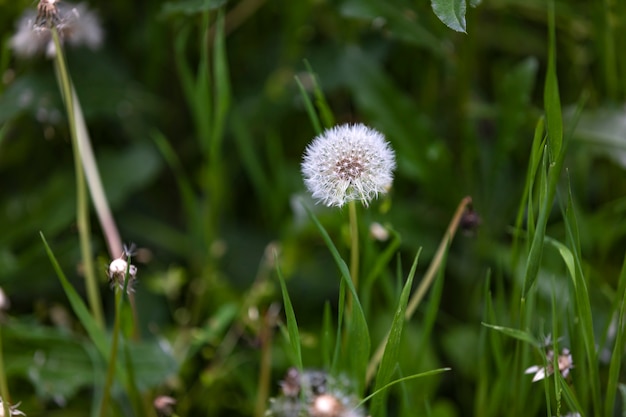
x,y
556,153
572,257
95,332
407,378
618,348
357,332
392,348
292,324
310,109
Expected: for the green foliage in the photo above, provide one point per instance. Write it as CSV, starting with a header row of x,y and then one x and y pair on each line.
x,y
199,112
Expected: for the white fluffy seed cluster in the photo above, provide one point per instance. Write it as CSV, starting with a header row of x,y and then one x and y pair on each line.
x,y
347,163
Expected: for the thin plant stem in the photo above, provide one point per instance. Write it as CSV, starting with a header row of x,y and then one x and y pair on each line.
x,y
266,337
354,250
4,386
82,203
425,283
119,298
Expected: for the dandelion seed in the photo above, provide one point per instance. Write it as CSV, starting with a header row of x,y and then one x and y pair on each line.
x,y
347,163
13,411
76,25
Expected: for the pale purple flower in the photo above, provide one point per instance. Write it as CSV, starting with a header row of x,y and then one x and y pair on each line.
x,y
347,163
564,361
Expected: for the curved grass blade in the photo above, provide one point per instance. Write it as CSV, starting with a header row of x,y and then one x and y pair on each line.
x,y
358,340
292,324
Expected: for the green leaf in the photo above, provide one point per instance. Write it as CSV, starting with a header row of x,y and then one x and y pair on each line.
x,y
392,348
451,13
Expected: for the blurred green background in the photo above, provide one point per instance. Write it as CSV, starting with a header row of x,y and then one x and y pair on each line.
x,y
459,110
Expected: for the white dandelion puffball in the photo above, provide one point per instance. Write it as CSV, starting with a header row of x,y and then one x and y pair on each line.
x,y
346,163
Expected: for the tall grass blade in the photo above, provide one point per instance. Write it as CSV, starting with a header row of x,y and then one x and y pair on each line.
x,y
310,109
392,348
326,114
358,339
80,309
618,348
292,324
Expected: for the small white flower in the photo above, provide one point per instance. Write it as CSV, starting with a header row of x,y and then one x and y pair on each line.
x,y
13,411
117,273
564,361
76,25
346,163
4,301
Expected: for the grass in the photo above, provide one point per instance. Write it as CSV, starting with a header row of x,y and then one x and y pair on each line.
x,y
185,134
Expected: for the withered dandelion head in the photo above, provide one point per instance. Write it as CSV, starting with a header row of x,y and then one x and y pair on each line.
x,y
76,25
347,163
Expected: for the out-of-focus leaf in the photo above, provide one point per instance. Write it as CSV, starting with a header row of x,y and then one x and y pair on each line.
x,y
153,363
394,19
189,7
451,13
56,363
603,131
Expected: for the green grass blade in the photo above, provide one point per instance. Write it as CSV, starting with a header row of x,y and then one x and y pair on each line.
x,y
551,99
522,335
310,109
407,378
221,82
618,348
321,103
358,340
80,309
392,348
327,331
184,185
340,315
292,324
582,303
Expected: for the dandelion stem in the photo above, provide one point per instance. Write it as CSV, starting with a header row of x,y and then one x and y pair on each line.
x,y
354,246
4,386
82,209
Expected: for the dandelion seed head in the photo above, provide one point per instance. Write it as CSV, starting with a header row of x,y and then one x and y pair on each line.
x,y
314,393
347,163
76,25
